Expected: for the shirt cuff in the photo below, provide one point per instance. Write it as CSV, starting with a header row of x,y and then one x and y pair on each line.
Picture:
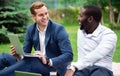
x,y
71,67
51,63
80,65
21,57
75,64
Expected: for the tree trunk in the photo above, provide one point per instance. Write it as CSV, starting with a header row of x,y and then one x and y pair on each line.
x,y
98,2
118,20
111,15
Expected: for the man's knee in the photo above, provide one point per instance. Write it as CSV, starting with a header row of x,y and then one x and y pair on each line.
x,y
7,59
101,71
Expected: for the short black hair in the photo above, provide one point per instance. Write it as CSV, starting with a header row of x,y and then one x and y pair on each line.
x,y
95,11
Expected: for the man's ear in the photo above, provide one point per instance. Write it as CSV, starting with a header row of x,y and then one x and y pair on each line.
x,y
33,17
90,19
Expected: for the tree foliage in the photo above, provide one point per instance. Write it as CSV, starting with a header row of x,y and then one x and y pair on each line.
x,y
113,8
11,15
13,18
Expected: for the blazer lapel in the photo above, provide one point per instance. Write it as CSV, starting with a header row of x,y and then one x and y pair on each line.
x,y
47,34
38,41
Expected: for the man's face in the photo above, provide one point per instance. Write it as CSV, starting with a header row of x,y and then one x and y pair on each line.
x,y
83,20
41,17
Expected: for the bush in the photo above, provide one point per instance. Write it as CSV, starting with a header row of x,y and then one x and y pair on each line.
x,y
12,20
3,35
63,15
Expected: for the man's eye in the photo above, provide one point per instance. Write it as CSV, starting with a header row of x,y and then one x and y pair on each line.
x,y
40,15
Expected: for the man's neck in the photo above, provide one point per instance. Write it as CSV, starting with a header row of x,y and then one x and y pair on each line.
x,y
41,27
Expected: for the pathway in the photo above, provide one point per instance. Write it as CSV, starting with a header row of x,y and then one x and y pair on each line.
x,y
116,68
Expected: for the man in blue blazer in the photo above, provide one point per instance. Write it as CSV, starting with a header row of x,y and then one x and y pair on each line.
x,y
49,39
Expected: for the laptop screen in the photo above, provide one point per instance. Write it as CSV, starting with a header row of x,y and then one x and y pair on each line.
x,y
16,42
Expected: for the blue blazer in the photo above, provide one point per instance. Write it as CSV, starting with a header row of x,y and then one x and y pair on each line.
x,y
57,43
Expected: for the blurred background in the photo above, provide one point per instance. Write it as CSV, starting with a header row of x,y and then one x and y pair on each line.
x,y
15,17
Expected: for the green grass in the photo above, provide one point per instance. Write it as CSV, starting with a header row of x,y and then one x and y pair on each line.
x,y
4,48
72,31
116,56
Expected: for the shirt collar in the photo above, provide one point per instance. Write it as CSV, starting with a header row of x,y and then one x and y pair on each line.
x,y
39,29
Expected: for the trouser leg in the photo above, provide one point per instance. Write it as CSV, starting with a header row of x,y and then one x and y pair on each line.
x,y
35,65
45,69
94,71
83,72
79,74
101,71
6,60
27,65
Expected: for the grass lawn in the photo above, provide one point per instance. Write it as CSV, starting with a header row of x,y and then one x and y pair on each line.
x,y
4,48
72,31
116,56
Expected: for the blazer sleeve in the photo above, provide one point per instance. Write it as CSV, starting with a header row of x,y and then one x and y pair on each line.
x,y
27,41
64,46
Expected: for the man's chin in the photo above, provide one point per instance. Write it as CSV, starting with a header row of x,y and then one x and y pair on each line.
x,y
45,24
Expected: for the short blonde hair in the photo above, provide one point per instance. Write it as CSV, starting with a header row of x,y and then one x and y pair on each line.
x,y
36,5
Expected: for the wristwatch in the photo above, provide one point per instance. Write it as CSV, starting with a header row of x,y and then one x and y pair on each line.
x,y
71,67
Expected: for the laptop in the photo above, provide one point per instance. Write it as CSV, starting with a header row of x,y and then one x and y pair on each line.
x,y
16,43
20,73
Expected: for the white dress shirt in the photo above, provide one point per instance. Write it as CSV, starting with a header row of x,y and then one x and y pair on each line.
x,y
42,42
96,48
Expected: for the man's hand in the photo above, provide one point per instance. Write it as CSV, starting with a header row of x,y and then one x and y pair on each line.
x,y
69,72
41,57
13,52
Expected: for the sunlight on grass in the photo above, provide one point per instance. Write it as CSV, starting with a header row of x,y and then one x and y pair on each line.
x,y
116,56
72,31
4,48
